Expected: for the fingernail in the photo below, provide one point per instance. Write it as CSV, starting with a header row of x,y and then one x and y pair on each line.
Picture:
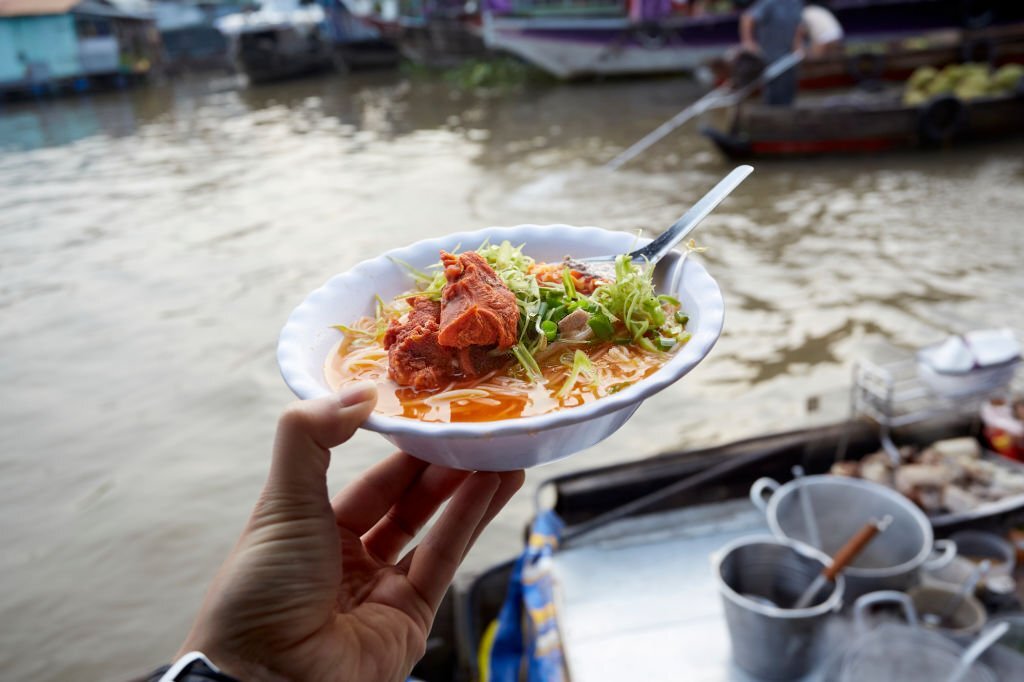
x,y
357,393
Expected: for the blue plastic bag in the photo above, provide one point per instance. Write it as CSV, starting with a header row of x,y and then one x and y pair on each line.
x,y
525,638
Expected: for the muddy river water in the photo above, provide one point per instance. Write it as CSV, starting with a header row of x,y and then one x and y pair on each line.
x,y
152,243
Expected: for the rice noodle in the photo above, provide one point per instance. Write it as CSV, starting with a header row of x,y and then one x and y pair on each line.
x,y
501,394
373,357
459,394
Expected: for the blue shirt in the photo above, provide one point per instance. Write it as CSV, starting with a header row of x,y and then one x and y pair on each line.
x,y
775,25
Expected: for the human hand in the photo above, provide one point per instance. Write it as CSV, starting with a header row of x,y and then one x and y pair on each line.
x,y
314,589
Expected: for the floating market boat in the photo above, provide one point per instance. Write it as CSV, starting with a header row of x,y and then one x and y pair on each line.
x,y
438,34
651,558
860,123
581,38
287,38
190,39
197,47
621,553
896,60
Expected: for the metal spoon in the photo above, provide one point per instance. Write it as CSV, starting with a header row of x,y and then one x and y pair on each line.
x,y
810,522
604,266
847,553
976,649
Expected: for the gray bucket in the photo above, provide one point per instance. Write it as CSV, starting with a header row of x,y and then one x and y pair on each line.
x,y
754,575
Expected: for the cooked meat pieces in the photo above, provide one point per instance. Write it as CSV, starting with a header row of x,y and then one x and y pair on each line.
x,y
423,315
438,342
574,326
476,361
949,475
477,309
415,358
553,272
418,360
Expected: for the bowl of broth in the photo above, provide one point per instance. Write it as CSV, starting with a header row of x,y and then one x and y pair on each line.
x,y
515,406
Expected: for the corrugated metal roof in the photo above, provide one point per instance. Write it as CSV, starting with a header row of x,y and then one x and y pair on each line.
x,y
108,8
24,8
20,8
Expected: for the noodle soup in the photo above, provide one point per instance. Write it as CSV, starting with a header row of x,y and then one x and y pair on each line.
x,y
501,394
493,335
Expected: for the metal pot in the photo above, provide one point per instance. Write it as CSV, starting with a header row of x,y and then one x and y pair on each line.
x,y
897,651
966,620
840,507
758,577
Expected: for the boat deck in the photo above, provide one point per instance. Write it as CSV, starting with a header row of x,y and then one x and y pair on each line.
x,y
638,601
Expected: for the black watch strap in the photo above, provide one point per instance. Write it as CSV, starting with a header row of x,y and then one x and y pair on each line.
x,y
196,671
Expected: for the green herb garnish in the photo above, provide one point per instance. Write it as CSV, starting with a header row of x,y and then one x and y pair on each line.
x,y
625,311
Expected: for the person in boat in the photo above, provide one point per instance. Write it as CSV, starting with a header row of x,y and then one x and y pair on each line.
x,y
823,30
318,588
690,8
772,29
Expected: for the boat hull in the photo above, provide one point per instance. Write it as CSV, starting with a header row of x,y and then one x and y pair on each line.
x,y
569,47
274,44
440,42
615,49
581,496
897,60
276,53
865,126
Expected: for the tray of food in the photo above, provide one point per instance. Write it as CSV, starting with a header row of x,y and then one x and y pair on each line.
x,y
953,480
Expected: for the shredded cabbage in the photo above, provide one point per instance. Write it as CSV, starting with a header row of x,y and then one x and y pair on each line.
x,y
625,311
581,366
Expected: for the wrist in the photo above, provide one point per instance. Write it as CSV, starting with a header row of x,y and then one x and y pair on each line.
x,y
193,666
230,665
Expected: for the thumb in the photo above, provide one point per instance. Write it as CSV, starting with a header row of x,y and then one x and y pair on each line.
x,y
306,432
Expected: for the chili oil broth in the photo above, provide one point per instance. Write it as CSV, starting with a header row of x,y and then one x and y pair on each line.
x,y
502,394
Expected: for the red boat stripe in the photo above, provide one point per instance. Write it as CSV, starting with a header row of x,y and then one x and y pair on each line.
x,y
871,144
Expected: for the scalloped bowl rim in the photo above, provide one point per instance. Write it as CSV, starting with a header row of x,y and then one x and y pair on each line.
x,y
712,308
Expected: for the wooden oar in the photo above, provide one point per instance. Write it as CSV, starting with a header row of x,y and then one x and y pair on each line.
x,y
720,97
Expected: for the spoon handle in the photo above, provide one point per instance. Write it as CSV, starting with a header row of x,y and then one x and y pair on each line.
x,y
657,249
968,586
976,649
853,547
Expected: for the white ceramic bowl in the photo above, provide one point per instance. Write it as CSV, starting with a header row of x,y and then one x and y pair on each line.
x,y
507,444
975,382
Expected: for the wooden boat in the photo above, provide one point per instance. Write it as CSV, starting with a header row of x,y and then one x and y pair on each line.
x,y
439,34
861,122
574,39
286,38
198,47
581,497
896,60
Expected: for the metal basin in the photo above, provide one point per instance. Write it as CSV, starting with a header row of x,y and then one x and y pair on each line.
x,y
841,506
